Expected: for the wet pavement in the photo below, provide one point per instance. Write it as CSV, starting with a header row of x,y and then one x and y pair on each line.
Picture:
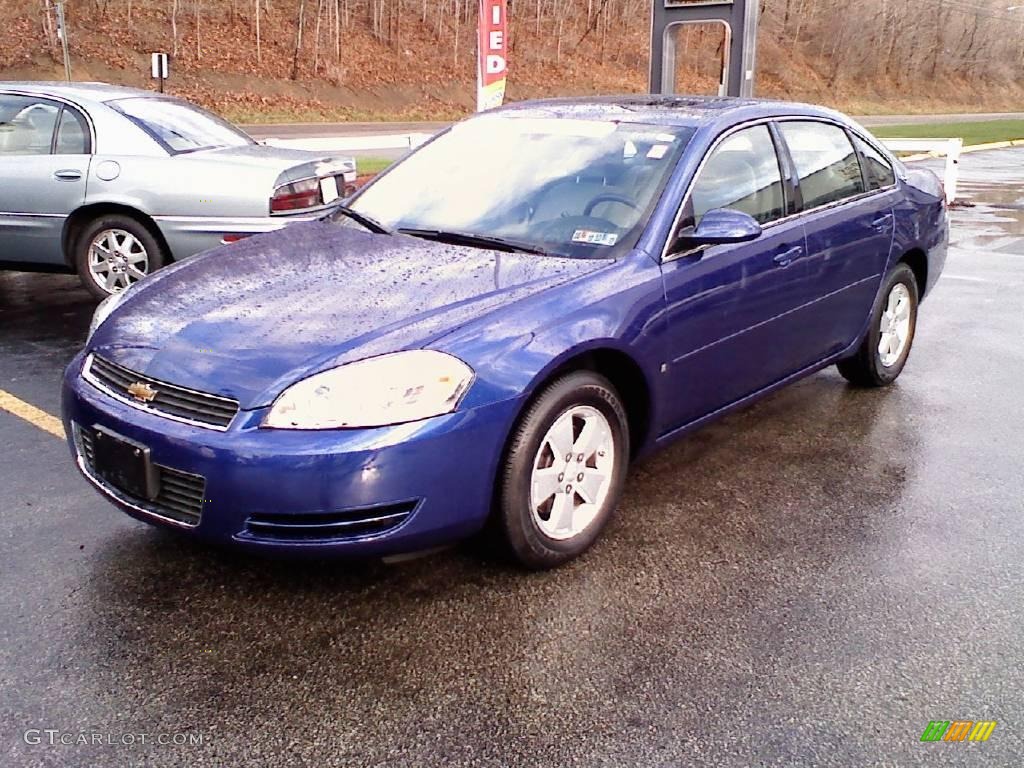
x,y
806,583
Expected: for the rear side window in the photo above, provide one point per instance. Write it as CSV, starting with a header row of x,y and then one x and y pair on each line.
x,y
825,160
742,174
72,134
876,168
26,125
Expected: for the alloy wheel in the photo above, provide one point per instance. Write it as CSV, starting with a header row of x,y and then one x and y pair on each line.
x,y
572,472
894,327
117,259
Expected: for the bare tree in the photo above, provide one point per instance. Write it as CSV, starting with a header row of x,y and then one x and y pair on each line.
x,y
298,38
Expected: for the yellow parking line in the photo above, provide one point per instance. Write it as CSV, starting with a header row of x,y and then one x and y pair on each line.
x,y
31,414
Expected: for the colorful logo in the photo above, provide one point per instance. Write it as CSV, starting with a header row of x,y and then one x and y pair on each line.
x,y
958,730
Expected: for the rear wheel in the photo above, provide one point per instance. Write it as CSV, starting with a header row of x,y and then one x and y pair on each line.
x,y
565,470
113,252
883,353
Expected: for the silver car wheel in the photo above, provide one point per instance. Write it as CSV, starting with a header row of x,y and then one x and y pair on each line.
x,y
117,259
894,328
572,472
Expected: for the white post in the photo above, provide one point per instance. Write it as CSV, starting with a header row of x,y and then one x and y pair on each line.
x,y
956,147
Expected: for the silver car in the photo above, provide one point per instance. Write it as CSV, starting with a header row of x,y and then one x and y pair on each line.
x,y
114,183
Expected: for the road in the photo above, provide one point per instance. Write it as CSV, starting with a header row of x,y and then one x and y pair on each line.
x,y
334,130
807,583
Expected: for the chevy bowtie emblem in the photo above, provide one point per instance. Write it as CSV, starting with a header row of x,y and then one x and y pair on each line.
x,y
142,392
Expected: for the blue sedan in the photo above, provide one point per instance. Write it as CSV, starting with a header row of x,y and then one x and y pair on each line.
x,y
491,331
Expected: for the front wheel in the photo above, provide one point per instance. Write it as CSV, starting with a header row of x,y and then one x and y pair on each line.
x,y
113,252
883,353
564,472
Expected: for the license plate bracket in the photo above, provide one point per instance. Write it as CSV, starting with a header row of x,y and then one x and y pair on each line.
x,y
125,464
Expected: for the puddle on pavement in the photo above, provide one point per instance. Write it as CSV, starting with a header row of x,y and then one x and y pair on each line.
x,y
993,183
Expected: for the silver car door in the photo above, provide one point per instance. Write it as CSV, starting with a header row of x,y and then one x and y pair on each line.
x,y
44,165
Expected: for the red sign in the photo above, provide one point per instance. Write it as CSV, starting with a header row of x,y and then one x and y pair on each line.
x,y
492,47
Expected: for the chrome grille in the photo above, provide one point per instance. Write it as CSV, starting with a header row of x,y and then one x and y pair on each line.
x,y
329,526
170,400
181,493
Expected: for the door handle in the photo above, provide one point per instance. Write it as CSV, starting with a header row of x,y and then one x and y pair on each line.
x,y
786,258
67,174
882,221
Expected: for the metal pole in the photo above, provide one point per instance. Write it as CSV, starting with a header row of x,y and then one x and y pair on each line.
x,y
64,41
750,24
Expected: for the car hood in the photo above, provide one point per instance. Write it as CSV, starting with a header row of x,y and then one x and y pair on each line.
x,y
247,320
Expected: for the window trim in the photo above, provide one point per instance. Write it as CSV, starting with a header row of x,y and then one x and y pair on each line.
x,y
869,141
64,104
774,121
75,114
855,137
783,180
687,203
791,178
860,165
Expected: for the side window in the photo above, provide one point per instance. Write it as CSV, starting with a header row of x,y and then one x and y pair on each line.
x,y
72,134
26,125
876,168
742,174
825,162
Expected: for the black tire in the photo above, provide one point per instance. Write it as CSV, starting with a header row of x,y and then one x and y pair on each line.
x,y
521,532
156,257
866,368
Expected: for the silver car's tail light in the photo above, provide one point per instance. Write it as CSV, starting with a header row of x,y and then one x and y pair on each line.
x,y
296,196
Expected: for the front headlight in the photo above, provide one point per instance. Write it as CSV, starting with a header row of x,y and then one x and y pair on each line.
x,y
376,392
102,312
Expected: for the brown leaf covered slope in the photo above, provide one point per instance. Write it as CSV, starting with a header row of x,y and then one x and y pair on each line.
x,y
414,59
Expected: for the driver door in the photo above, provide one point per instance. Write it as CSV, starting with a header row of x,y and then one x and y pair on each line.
x,y
731,308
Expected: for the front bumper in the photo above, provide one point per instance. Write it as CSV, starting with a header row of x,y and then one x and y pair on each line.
x,y
409,487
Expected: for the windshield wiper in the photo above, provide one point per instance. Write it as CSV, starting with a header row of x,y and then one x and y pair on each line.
x,y
361,218
468,238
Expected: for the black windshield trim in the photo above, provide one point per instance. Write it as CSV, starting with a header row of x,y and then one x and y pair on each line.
x,y
493,242
368,222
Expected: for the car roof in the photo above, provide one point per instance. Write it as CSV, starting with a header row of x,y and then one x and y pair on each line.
x,y
75,91
691,111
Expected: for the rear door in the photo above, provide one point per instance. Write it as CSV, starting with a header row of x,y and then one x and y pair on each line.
x,y
847,193
732,309
44,164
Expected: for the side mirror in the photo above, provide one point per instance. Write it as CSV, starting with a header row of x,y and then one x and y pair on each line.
x,y
720,227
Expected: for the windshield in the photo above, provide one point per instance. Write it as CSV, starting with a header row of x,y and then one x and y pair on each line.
x,y
179,127
581,188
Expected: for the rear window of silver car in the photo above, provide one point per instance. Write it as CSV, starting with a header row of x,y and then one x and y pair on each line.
x,y
179,127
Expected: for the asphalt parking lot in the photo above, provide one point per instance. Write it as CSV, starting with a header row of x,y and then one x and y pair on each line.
x,y
807,583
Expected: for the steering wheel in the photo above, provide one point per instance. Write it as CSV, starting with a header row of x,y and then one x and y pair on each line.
x,y
609,197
